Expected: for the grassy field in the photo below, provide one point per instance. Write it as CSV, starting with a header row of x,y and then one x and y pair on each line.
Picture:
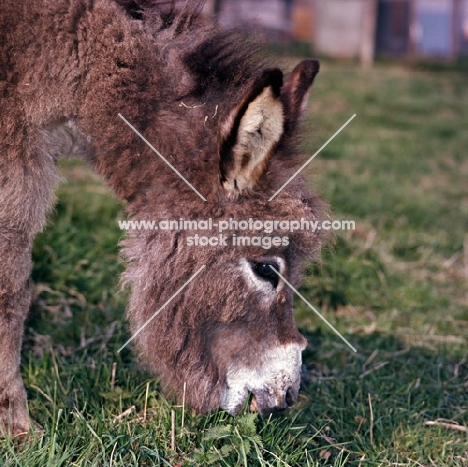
x,y
396,287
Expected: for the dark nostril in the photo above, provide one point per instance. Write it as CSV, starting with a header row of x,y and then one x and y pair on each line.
x,y
290,397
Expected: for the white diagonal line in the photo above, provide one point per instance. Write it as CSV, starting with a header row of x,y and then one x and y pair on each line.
x,y
157,312
162,157
314,310
305,164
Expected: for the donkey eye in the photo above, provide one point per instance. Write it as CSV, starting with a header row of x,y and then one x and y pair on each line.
x,y
264,271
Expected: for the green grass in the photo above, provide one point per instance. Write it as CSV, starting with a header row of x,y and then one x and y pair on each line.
x,y
396,288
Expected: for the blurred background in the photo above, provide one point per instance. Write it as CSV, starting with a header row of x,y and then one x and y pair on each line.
x,y
357,28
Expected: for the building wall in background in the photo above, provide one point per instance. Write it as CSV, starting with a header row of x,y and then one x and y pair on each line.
x,y
464,28
421,28
273,18
433,28
338,27
303,21
393,28
403,28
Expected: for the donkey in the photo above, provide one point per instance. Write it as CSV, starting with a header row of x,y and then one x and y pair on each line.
x,y
227,121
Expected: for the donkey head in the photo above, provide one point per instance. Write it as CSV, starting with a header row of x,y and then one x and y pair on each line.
x,y
230,333
263,357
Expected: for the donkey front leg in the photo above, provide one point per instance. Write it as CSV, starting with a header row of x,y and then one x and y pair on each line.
x,y
15,298
27,183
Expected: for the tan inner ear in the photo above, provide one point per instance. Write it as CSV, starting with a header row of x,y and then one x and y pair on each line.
x,y
260,129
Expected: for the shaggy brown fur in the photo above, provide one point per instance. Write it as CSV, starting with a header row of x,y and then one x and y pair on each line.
x,y
67,69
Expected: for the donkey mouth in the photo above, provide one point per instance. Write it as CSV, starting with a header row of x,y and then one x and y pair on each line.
x,y
270,388
265,410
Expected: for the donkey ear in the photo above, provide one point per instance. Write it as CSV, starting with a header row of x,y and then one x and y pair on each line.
x,y
251,132
295,92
